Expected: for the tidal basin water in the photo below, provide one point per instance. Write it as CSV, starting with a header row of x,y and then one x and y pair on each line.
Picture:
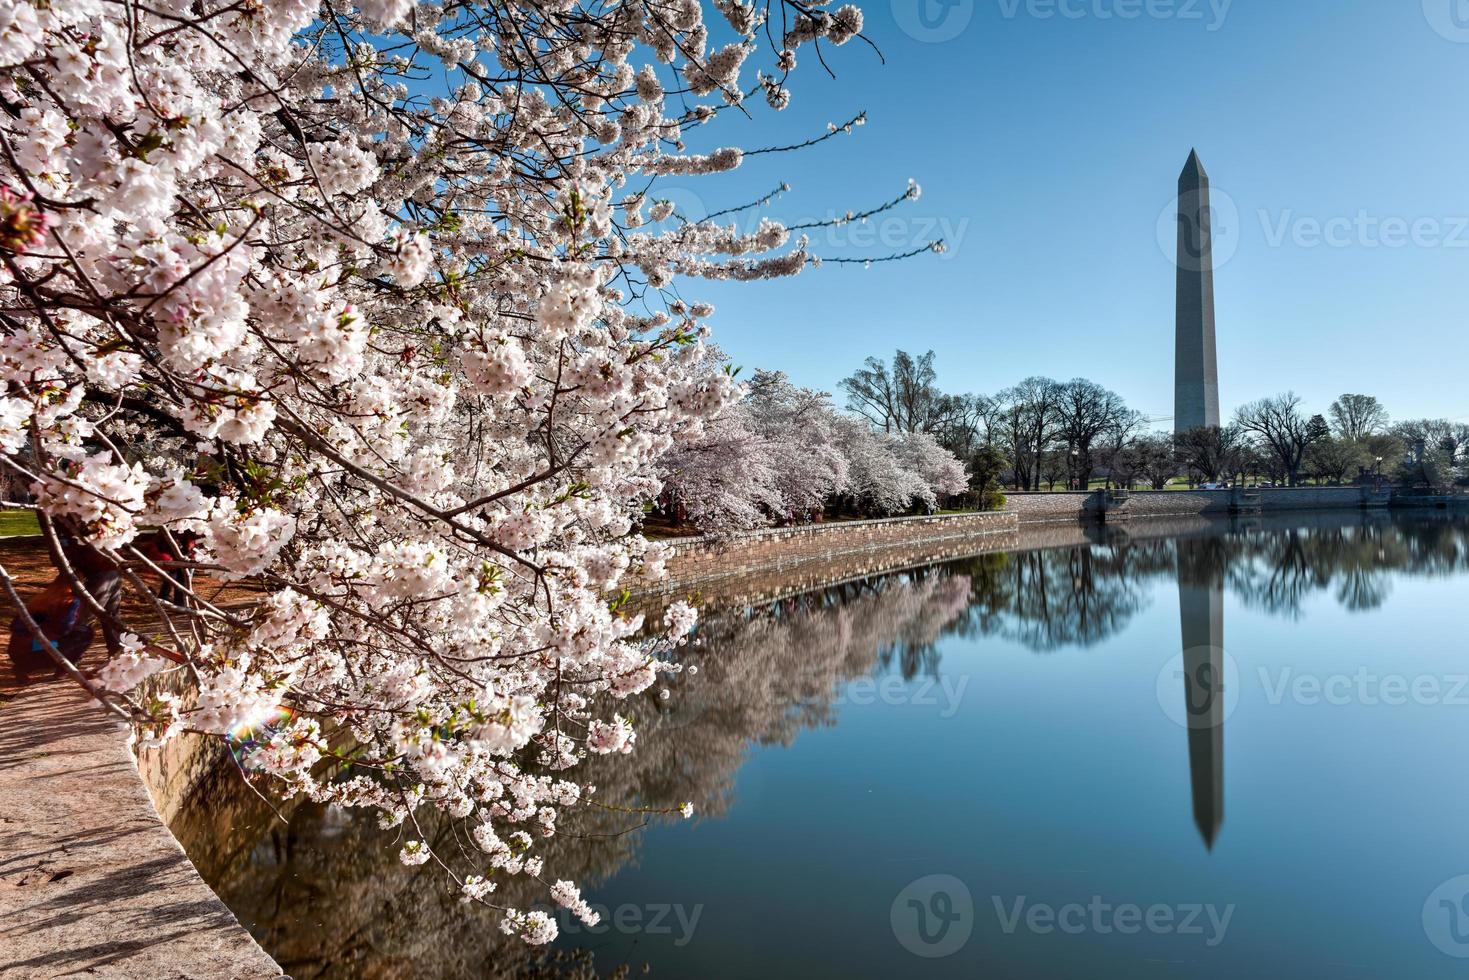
x,y
1238,750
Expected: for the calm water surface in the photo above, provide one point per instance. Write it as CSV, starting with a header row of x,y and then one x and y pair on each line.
x,y
1236,751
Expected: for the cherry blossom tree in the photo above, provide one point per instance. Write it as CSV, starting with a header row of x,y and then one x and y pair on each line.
x,y
372,313
727,480
769,456
877,482
785,453
797,423
939,470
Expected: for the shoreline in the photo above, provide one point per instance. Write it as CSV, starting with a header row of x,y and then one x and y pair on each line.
x,y
766,564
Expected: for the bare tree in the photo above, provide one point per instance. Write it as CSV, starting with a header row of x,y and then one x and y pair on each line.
x,y
905,398
1123,465
1029,422
1151,457
1211,452
1011,432
965,423
871,394
1085,412
1355,417
1335,460
1115,446
1283,429
920,403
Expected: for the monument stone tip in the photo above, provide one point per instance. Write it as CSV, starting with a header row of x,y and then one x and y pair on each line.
x,y
1194,168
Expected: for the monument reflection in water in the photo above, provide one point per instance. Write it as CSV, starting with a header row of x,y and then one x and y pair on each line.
x,y
1201,568
820,789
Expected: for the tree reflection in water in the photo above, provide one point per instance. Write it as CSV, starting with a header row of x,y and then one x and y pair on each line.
x,y
1081,596
765,675
1277,572
1046,600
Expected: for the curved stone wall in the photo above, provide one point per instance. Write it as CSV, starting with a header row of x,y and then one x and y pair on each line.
x,y
757,566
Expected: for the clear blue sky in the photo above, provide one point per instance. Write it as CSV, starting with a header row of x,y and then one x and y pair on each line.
x,y
1051,146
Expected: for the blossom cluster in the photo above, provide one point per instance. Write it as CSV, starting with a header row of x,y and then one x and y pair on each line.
x,y
382,355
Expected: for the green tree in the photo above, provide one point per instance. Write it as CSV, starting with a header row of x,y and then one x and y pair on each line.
x,y
986,464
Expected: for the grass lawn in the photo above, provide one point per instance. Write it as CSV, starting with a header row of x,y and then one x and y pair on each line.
x,y
17,523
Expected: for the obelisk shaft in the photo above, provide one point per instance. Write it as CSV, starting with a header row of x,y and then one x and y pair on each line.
x,y
1196,370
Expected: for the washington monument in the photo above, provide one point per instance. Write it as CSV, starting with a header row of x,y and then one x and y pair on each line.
x,y
1196,372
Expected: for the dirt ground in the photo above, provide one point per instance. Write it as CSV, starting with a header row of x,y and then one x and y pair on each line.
x,y
27,561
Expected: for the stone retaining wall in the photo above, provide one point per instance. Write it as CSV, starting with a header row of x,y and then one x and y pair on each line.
x,y
758,566
755,565
698,572
171,773
1456,501
1151,503
1040,508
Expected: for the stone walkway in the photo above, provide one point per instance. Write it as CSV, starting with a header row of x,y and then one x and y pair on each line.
x,y
91,881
